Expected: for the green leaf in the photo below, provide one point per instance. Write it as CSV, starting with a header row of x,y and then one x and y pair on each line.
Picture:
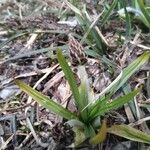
x,y
131,104
91,32
145,106
148,87
129,133
133,67
75,123
124,75
144,11
128,21
96,107
130,70
84,91
106,16
45,101
75,9
90,28
70,78
89,131
107,107
93,36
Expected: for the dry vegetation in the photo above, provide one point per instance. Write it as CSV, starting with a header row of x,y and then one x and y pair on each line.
x,y
31,31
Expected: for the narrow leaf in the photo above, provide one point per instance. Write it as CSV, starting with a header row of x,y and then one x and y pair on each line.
x,y
84,91
106,16
144,11
131,69
70,77
128,22
124,76
126,90
148,87
97,106
130,133
89,131
90,28
115,104
45,101
76,10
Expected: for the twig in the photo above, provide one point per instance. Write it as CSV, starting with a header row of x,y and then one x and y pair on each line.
x,y
34,134
140,121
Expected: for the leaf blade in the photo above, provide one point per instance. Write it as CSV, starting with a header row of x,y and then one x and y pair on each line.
x,y
70,77
133,67
45,101
129,133
144,11
114,104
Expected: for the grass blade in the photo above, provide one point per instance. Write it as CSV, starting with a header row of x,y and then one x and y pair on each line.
x,y
106,16
144,11
75,9
45,101
127,72
70,78
132,68
148,87
130,133
84,91
114,104
94,108
126,90
90,29
128,22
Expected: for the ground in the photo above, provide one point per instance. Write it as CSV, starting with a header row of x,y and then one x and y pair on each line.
x,y
30,34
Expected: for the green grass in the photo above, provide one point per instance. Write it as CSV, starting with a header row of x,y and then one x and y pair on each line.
x,y
88,108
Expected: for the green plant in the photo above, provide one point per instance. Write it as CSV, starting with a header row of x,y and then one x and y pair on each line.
x,y
92,33
139,10
89,108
